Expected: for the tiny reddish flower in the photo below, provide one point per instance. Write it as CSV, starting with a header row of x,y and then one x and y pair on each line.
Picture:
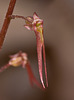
x,y
36,24
22,59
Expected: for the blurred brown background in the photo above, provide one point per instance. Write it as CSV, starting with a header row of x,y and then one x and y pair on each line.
x,y
58,16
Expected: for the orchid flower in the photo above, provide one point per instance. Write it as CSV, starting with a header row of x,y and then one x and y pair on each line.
x,y
36,24
22,59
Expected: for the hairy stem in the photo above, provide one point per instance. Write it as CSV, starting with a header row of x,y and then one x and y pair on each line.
x,y
6,21
18,16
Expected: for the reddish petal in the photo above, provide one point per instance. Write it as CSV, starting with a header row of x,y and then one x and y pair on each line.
x,y
28,27
31,76
4,67
39,52
35,16
45,63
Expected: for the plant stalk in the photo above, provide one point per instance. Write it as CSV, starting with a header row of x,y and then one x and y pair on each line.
x,y
6,21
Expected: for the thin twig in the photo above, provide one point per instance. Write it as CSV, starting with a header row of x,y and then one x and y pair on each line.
x,y
18,16
6,21
21,17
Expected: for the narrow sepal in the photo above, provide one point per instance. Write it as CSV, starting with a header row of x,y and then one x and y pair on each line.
x,y
31,76
39,53
44,57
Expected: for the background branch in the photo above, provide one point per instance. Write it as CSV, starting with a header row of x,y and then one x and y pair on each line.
x,y
6,21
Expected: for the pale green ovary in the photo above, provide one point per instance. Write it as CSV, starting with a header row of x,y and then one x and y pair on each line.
x,y
40,29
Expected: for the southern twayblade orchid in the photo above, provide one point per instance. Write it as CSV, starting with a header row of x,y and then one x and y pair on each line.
x,y
36,24
22,59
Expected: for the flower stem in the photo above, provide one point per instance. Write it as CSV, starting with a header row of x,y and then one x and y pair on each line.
x,y
4,67
18,16
6,21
